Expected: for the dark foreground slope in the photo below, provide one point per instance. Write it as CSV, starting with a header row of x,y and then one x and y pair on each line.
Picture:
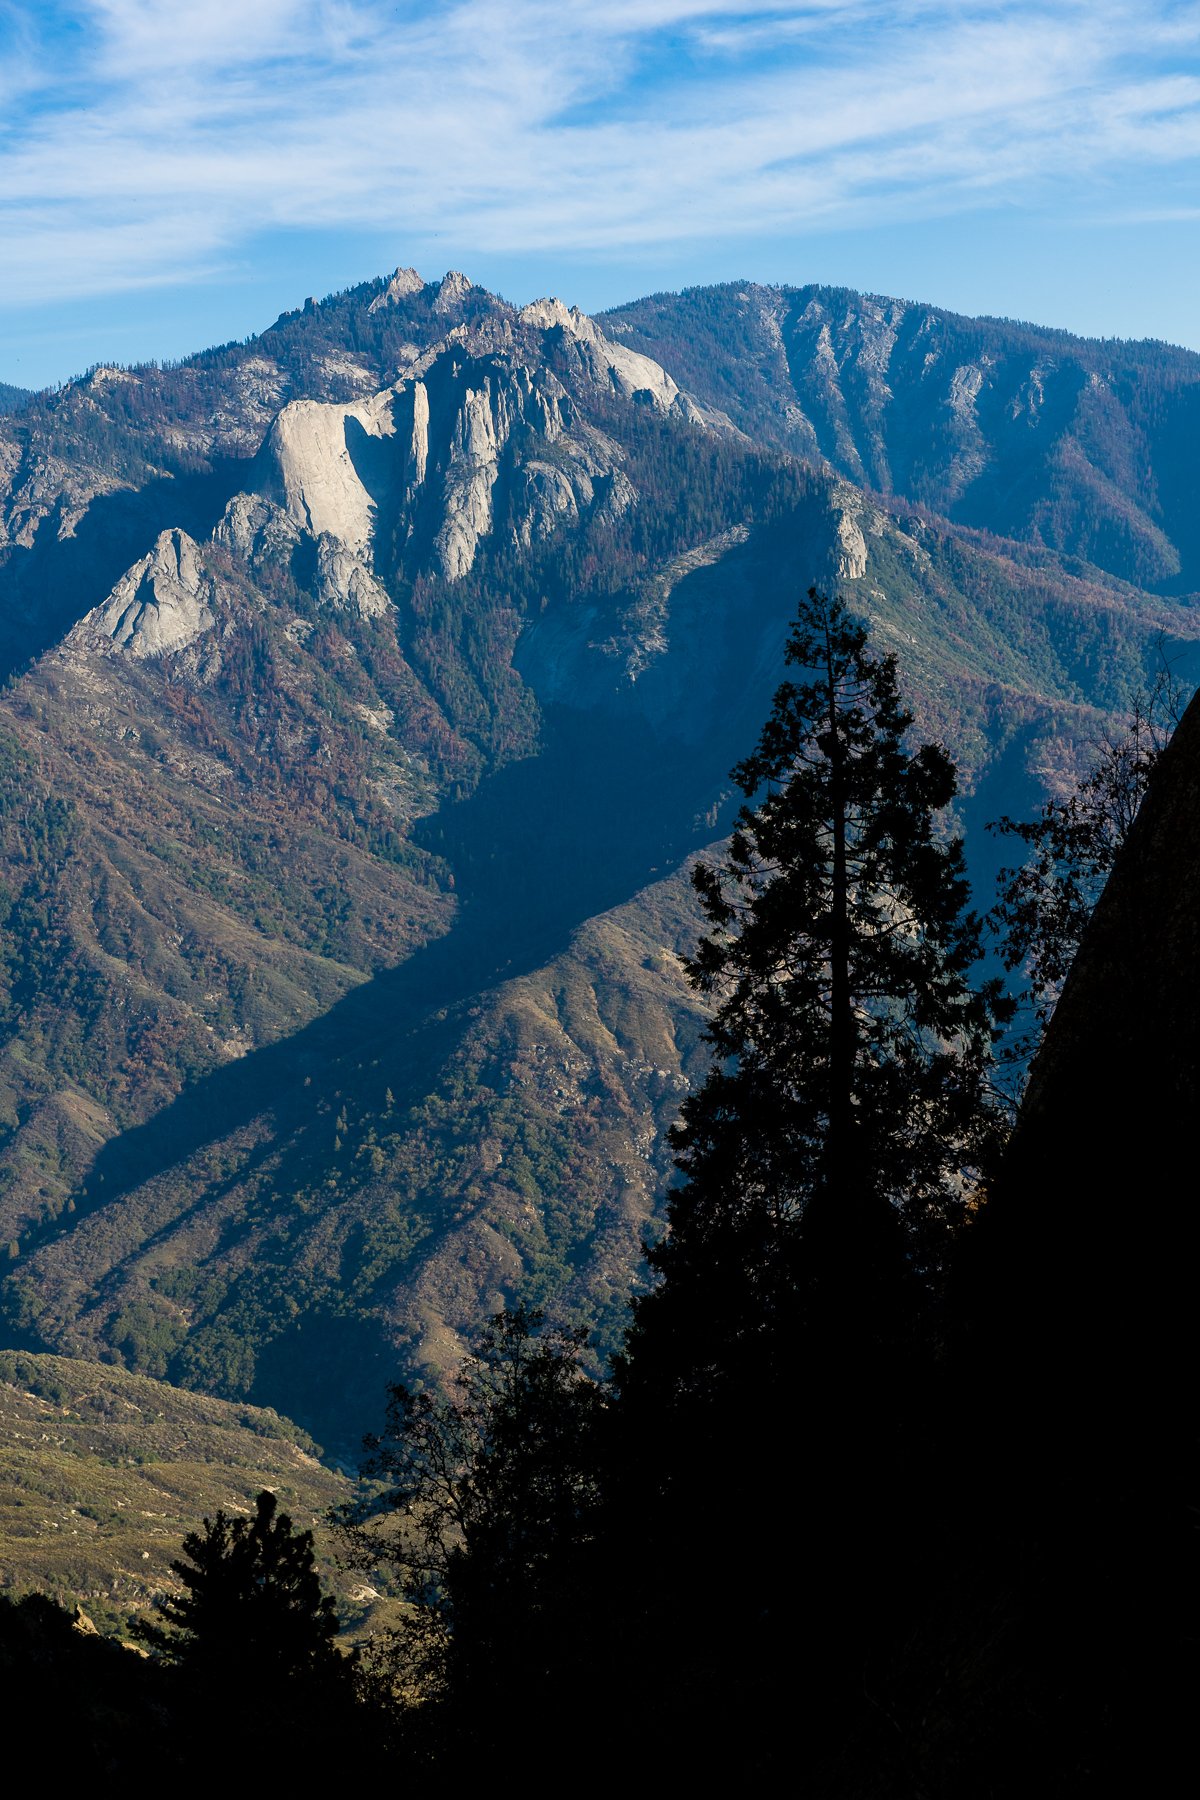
x,y
1063,1654
1003,1602
1094,1232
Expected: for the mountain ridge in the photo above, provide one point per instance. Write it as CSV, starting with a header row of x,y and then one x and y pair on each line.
x,y
352,767
1087,418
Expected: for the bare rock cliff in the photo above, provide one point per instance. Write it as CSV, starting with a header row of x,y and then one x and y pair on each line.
x,y
164,603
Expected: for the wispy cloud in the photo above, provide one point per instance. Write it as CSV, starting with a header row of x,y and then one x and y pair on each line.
x,y
142,141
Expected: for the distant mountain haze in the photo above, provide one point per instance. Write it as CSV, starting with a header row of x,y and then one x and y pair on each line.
x,y
371,684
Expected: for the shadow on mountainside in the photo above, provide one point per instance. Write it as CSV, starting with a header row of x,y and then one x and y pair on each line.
x,y
611,803
607,808
55,582
614,801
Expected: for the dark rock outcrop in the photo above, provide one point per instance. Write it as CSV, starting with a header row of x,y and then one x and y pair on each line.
x,y
1081,1331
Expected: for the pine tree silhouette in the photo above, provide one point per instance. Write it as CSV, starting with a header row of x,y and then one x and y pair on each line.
x,y
848,1109
251,1637
779,1371
251,1598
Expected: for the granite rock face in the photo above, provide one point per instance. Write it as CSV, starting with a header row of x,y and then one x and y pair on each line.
x,y
164,603
403,283
344,581
452,291
416,471
42,493
257,532
322,468
632,375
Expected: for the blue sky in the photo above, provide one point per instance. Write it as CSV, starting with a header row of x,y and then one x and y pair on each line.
x,y
175,174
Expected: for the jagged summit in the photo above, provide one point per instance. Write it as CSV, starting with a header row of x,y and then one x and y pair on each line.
x,y
452,290
400,285
427,453
484,428
163,603
631,374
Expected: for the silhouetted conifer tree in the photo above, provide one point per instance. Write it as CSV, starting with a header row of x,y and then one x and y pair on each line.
x,y
491,1501
251,1597
779,1369
484,1481
849,1110
252,1637
1043,905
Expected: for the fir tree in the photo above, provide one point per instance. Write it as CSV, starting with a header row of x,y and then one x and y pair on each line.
x,y
250,1617
249,1642
848,1112
781,1370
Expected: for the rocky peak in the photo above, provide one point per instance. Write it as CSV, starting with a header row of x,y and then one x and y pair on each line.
x,y
256,531
105,373
452,291
403,283
629,372
164,602
413,471
428,451
546,313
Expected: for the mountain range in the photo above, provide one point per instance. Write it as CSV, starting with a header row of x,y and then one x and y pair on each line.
x,y
371,685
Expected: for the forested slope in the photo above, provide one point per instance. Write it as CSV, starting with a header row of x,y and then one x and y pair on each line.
x,y
372,681
1087,447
